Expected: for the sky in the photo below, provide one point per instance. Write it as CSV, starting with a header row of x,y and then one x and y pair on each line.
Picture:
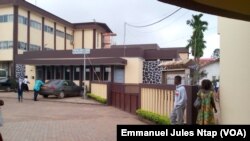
x,y
171,32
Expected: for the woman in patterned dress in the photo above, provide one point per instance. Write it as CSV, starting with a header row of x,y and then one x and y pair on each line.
x,y
205,113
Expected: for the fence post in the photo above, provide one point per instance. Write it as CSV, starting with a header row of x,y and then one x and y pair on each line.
x,y
191,111
109,94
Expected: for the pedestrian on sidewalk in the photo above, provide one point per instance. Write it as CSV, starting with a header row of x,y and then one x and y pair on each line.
x,y
26,82
37,87
20,90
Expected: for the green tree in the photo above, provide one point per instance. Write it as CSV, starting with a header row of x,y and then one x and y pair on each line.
x,y
197,44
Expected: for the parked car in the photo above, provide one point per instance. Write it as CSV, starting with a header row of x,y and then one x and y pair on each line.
x,y
9,85
60,88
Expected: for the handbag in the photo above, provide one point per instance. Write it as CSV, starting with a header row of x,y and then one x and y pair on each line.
x,y
197,103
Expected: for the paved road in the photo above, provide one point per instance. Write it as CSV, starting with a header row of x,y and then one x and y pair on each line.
x,y
60,121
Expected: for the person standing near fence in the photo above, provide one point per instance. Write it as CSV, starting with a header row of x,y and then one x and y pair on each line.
x,y
180,100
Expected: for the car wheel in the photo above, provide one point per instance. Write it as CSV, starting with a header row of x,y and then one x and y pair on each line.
x,y
8,89
61,95
45,96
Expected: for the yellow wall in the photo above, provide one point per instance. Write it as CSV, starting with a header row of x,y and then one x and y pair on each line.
x,y
20,51
6,28
98,39
234,71
183,55
68,44
6,54
99,90
22,29
30,71
35,34
48,37
88,38
78,39
133,70
59,39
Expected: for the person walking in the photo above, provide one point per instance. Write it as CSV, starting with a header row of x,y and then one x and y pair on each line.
x,y
205,113
180,101
37,87
20,90
26,82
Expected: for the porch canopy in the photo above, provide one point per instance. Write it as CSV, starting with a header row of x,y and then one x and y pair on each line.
x,y
225,8
187,63
63,57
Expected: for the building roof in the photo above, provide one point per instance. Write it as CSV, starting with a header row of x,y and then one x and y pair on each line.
x,y
177,64
226,8
142,46
105,54
46,14
203,62
101,26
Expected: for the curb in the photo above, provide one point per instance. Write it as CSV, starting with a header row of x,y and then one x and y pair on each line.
x,y
57,101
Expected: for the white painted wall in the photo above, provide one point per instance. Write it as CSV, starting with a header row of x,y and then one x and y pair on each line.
x,y
234,71
211,70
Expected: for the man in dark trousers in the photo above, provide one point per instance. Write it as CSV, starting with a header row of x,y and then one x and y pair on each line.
x,y
37,87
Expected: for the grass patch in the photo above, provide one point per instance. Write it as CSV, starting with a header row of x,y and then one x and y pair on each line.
x,y
97,98
156,118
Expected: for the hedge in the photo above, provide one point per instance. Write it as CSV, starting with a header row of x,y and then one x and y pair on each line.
x,y
97,98
156,118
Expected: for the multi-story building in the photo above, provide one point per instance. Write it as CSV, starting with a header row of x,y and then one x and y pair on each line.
x,y
38,44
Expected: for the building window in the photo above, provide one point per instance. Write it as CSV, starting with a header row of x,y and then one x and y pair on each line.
x,y
107,74
87,70
48,29
76,73
119,73
67,73
69,37
22,20
48,73
97,73
22,46
58,72
6,44
6,18
60,33
35,24
34,47
46,48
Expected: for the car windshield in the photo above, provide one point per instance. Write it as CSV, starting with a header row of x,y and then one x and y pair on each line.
x,y
53,82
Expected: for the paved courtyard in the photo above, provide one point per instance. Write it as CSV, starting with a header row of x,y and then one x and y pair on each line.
x,y
69,119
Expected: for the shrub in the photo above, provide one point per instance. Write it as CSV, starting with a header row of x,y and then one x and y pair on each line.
x,y
156,118
97,98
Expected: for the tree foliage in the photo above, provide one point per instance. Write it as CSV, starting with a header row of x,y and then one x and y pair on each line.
x,y
197,43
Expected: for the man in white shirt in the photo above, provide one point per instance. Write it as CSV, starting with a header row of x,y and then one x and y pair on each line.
x,y
180,102
26,82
